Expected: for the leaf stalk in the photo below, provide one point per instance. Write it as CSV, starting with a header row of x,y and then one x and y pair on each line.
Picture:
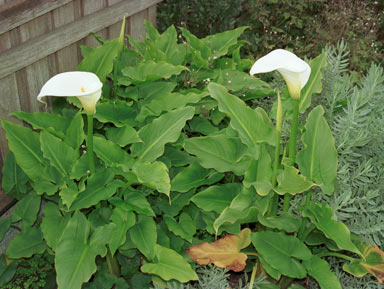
x,y
91,160
292,145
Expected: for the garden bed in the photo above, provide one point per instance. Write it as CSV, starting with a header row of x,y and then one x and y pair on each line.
x,y
188,160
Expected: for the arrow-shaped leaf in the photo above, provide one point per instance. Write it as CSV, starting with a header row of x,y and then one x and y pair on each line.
x,y
322,217
253,126
318,160
76,251
169,265
162,130
221,152
282,252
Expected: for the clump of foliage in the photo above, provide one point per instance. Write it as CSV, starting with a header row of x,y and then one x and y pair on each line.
x,y
178,153
30,273
212,277
300,25
356,117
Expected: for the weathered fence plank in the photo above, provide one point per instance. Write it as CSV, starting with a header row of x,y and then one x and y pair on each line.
x,y
17,12
31,51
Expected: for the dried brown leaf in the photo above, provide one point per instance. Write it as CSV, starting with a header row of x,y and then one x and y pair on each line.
x,y
224,253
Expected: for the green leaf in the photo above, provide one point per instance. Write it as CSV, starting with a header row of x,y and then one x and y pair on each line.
x,y
104,279
45,187
99,188
221,152
80,167
118,112
275,274
25,144
134,201
74,136
152,71
144,236
69,193
220,43
160,131
61,155
316,238
253,126
123,136
100,216
27,209
245,206
54,123
207,222
100,59
13,176
291,182
112,154
154,175
185,228
7,272
5,224
285,222
77,250
151,31
26,244
200,51
123,221
282,252
319,270
151,90
53,224
322,217
169,265
194,176
202,126
176,157
296,286
179,201
259,173
167,43
318,160
236,80
217,198
168,102
314,84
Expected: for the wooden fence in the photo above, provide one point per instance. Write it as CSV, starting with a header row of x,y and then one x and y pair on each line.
x,y
40,38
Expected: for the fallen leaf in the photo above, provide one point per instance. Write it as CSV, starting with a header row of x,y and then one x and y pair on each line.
x,y
372,262
224,253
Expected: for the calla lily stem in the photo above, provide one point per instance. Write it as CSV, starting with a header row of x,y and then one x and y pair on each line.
x,y
334,254
275,199
292,145
253,276
113,265
91,160
279,122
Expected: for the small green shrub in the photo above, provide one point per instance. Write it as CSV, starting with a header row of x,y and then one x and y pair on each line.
x,y
31,273
304,26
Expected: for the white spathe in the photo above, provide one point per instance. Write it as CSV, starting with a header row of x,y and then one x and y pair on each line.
x,y
294,70
86,86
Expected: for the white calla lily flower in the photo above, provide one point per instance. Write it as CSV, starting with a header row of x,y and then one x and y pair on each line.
x,y
86,86
294,70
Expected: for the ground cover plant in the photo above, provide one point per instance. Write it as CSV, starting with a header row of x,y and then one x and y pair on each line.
x,y
176,162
